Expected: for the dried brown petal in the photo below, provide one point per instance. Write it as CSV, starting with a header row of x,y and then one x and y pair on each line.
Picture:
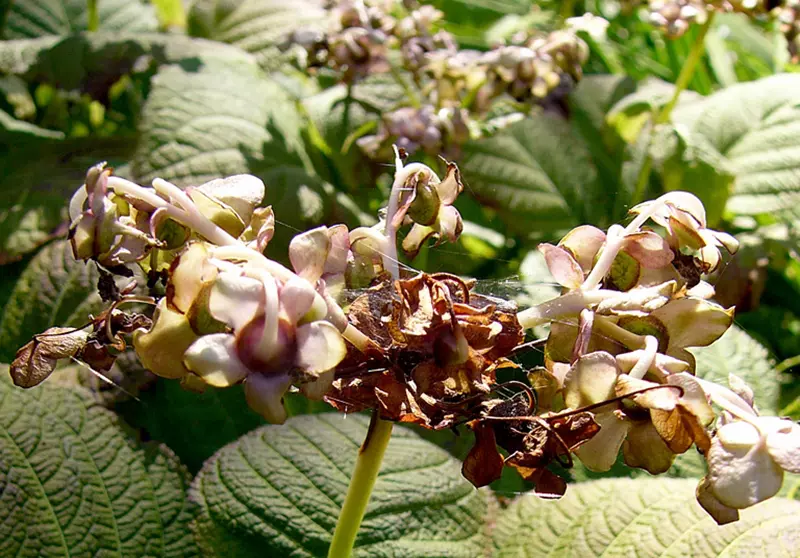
x,y
483,464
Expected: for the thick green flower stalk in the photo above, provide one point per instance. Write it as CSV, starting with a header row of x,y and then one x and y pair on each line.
x,y
425,348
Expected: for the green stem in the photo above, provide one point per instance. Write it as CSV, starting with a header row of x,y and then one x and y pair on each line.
x,y
663,116
94,18
365,473
171,14
785,365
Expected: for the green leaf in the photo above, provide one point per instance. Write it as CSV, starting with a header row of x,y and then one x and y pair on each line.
x,y
642,517
756,126
73,481
38,18
203,124
538,174
738,353
193,425
278,491
257,26
53,290
93,62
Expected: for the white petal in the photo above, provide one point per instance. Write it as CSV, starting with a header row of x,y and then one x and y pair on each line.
x,y
236,300
590,380
316,389
297,295
600,453
320,347
783,442
741,473
242,193
265,395
213,358
308,252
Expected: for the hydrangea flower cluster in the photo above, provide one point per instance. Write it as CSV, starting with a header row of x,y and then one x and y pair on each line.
x,y
456,88
425,348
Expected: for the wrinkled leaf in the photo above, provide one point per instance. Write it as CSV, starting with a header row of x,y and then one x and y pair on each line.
x,y
643,518
38,18
538,174
257,26
73,481
278,490
756,126
53,290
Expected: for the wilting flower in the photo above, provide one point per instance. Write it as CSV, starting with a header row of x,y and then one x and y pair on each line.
x,y
439,346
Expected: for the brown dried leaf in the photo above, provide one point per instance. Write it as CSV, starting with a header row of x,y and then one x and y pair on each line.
x,y
37,359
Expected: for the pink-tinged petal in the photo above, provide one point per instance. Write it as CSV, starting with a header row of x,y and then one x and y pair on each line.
x,y
649,277
584,243
590,380
449,188
213,358
710,258
316,389
694,399
644,448
189,273
660,215
600,453
320,347
308,252
339,250
649,249
562,266
783,442
740,473
688,203
265,394
297,296
236,300
241,192
449,223
693,322
260,230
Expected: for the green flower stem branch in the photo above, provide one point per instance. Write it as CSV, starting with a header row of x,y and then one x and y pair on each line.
x,y
663,116
368,463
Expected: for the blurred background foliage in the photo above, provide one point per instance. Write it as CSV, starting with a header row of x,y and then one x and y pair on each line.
x,y
190,92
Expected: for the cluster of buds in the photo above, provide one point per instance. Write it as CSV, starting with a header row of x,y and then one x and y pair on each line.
x,y
455,86
425,348
354,44
675,17
535,70
411,129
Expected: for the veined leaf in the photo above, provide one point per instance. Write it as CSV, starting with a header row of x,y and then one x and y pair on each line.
x,y
277,491
538,174
73,482
38,18
756,126
643,518
257,26
54,289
